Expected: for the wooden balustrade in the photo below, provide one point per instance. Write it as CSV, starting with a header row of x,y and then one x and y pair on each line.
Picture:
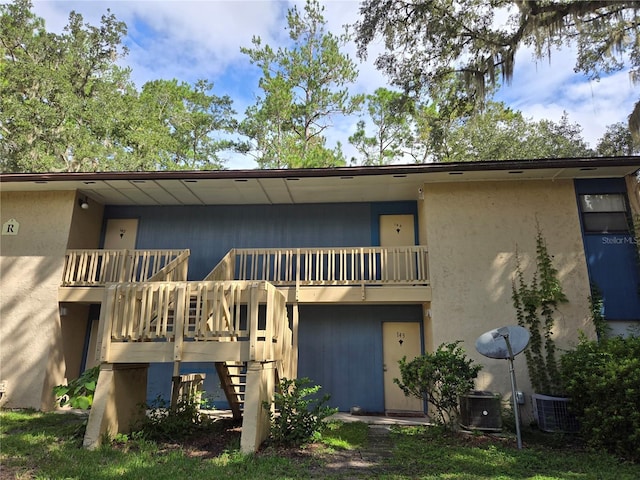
x,y
90,268
327,266
189,313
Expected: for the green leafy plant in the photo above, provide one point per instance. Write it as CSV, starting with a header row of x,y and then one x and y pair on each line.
x,y
596,310
299,413
163,423
536,304
440,378
78,393
603,380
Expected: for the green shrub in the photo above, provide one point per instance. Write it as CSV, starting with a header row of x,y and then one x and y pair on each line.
x,y
299,412
79,392
440,378
162,423
603,381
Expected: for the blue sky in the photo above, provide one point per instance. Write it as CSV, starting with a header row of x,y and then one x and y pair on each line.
x,y
189,40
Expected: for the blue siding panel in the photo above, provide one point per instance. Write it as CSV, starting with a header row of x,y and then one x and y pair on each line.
x,y
350,333
613,268
340,348
211,231
159,383
612,259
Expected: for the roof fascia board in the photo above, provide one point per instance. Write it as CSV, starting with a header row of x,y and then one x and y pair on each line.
x,y
556,163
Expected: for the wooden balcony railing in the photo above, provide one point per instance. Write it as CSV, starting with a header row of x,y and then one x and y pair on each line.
x,y
182,318
327,266
96,268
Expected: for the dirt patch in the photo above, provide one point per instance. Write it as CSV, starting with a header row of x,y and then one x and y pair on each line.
x,y
208,444
327,463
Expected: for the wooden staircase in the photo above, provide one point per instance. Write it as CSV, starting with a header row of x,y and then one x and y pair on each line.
x,y
242,327
233,379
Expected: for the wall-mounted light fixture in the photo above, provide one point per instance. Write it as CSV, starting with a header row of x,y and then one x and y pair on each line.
x,y
84,203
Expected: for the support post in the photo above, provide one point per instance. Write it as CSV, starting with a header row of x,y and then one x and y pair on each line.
x,y
255,422
178,337
293,369
120,392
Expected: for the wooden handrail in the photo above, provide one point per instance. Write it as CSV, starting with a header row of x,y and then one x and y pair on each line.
x,y
91,268
225,268
327,266
204,311
174,271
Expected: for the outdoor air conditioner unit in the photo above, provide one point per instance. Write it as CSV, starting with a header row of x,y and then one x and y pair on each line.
x,y
481,411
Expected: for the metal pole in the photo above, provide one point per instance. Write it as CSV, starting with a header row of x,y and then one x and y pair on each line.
x,y
513,391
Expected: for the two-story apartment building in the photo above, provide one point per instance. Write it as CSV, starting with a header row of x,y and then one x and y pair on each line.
x,y
332,274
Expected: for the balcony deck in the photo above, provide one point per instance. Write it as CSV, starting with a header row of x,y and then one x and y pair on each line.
x,y
87,272
335,274
303,275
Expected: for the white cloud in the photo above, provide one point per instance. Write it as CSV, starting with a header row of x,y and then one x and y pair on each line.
x,y
182,39
545,89
202,39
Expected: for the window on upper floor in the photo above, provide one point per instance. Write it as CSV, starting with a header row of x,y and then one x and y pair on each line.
x,y
604,213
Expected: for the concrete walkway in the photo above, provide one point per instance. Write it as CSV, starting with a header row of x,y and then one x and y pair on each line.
x,y
368,461
381,419
347,417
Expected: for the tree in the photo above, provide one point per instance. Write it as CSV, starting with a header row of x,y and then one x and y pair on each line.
x,y
499,133
390,113
617,141
427,41
551,139
65,105
304,86
437,116
178,122
494,133
58,92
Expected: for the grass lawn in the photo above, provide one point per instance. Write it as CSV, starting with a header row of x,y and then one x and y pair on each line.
x,y
38,445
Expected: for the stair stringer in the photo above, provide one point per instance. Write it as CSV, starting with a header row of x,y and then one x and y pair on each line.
x,y
232,385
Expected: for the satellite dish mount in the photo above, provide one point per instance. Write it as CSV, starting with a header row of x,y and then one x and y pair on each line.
x,y
506,343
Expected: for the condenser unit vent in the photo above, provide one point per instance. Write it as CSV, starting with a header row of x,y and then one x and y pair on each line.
x,y
553,414
481,411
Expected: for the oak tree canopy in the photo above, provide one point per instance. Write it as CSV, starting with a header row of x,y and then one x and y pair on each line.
x,y
425,41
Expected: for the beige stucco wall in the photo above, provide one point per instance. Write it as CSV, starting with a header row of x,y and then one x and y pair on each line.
x,y
38,348
30,271
86,225
473,230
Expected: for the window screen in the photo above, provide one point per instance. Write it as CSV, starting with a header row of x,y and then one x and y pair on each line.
x,y
604,213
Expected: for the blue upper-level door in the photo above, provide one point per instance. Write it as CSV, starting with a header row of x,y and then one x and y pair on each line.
x,y
610,246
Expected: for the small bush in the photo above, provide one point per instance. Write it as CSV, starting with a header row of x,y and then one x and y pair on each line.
x,y
79,392
299,413
603,381
440,378
164,424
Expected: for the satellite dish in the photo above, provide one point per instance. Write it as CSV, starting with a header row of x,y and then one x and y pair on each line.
x,y
503,342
